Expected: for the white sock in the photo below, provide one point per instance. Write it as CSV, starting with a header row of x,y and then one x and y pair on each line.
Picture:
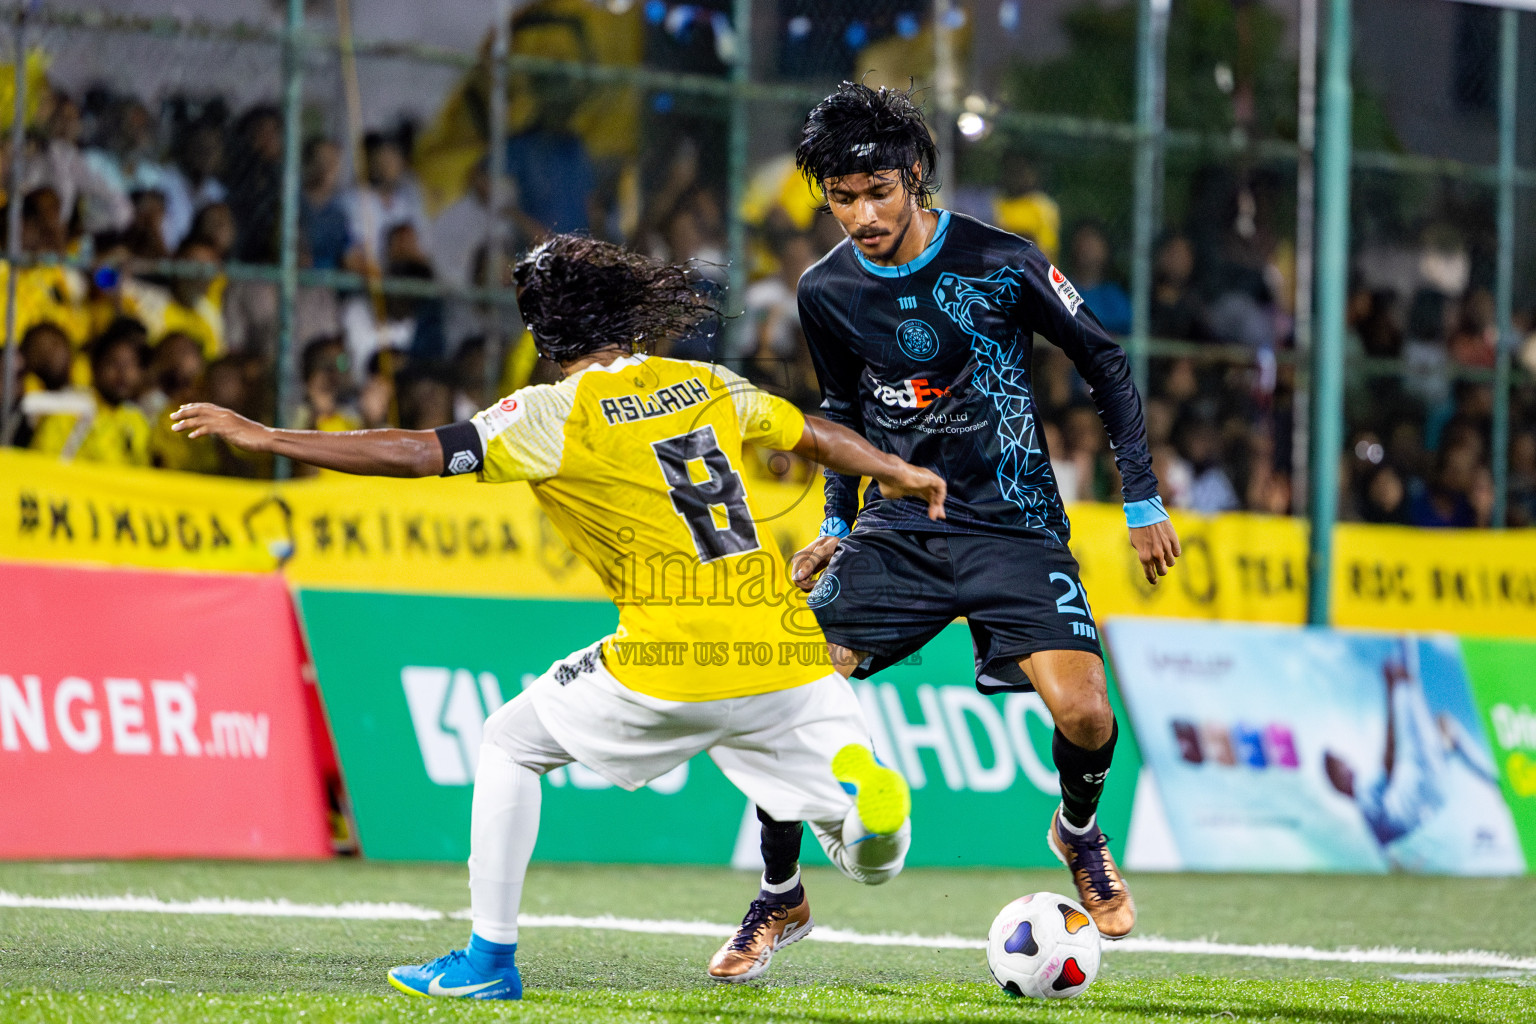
x,y
864,856
781,887
503,825
1069,827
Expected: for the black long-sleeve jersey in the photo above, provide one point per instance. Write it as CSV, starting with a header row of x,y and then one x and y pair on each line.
x,y
930,360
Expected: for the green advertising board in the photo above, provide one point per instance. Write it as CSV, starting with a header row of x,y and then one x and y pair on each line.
x,y
983,785
1503,674
407,682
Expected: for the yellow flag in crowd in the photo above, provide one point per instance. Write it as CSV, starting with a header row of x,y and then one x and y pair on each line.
x,y
606,118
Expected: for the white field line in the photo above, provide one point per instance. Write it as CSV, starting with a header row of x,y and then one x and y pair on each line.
x,y
223,906
407,912
1377,955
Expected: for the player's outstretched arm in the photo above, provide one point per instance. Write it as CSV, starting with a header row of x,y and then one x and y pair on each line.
x,y
843,451
369,452
1157,546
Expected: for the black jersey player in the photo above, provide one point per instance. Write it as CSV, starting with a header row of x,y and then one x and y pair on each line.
x,y
921,327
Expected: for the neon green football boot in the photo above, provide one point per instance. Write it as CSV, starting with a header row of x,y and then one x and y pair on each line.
x,y
881,794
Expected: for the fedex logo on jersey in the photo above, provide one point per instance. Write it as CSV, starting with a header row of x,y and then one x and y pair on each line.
x,y
909,394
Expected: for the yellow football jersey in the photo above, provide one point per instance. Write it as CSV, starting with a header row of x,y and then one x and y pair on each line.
x,y
638,465
117,436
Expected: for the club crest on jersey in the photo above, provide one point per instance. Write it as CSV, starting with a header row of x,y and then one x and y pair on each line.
x,y
917,339
909,394
1065,291
824,592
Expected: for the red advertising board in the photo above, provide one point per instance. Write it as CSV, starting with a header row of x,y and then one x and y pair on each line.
x,y
154,714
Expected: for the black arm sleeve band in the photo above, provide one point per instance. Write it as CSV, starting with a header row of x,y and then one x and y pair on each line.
x,y
462,450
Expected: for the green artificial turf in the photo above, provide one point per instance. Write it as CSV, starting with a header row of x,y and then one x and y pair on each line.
x,y
1187,998
62,965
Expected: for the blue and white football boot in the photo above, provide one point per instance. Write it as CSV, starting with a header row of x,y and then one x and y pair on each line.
x,y
452,976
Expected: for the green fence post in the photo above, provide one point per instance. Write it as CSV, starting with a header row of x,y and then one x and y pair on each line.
x,y
496,199
1327,405
946,90
8,396
736,169
1306,246
1504,286
1150,38
288,225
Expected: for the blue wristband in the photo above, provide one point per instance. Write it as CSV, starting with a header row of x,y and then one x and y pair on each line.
x,y
1145,513
834,526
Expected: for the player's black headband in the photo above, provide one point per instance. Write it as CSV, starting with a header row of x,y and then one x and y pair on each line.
x,y
870,158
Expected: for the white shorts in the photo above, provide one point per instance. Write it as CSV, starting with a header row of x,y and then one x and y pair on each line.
x,y
775,747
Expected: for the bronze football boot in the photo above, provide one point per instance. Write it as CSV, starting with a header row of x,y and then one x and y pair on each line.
x,y
1101,889
768,927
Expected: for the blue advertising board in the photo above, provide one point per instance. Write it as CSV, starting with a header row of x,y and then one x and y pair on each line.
x,y
1281,749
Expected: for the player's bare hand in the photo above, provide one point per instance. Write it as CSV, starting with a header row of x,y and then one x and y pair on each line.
x,y
1158,548
911,481
201,419
808,562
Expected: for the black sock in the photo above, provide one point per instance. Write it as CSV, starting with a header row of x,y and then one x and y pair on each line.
x,y
781,848
1082,775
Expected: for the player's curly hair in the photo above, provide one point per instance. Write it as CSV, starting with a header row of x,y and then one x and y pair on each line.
x,y
579,295
862,130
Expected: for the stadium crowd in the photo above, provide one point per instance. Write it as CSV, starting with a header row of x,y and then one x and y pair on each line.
x,y
124,310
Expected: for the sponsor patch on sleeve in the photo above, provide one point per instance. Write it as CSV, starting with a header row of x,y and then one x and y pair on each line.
x,y
1065,291
499,417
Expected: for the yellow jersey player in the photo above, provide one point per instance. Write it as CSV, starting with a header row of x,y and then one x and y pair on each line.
x,y
636,460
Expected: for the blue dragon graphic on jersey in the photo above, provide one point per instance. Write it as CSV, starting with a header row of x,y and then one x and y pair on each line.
x,y
1022,466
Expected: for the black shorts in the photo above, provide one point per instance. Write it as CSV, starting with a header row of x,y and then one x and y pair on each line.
x,y
888,592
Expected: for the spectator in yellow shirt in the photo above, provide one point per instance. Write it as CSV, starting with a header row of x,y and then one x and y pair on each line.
x,y
45,293
46,354
197,306
47,359
177,370
325,366
1025,209
186,304
117,432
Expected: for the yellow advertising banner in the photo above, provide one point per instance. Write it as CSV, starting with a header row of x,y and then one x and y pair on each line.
x,y
1470,582
58,511
456,537
433,536
447,536
1234,566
